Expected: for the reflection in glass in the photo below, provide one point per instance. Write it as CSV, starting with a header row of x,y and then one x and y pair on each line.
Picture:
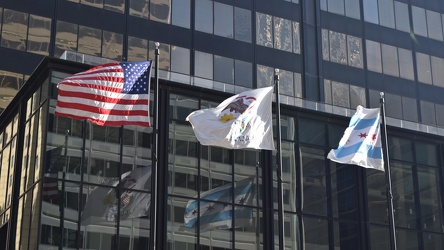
x,y
386,13
164,54
407,240
428,115
39,34
344,192
338,47
394,105
223,69
340,94
66,37
409,109
115,5
380,238
352,9
180,60
160,11
402,16
434,25
357,96
336,6
94,3
264,30
429,195
14,30
137,49
296,38
139,8
112,45
371,11
283,34
437,71
315,233
346,235
286,86
312,131
325,45
90,41
354,49
265,76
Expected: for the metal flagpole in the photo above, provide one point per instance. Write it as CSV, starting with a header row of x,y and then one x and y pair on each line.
x,y
279,165
154,153
387,175
62,196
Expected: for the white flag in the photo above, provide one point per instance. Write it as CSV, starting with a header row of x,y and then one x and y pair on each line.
x,y
102,203
241,121
215,209
361,143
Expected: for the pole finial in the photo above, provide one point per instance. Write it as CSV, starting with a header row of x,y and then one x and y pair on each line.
x,y
381,94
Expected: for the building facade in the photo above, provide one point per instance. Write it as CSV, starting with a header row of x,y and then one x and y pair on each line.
x,y
332,55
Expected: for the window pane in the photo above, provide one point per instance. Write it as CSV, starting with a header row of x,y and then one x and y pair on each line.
x,y
394,105
428,113
286,83
371,11
327,92
312,132
115,5
340,94
352,9
440,115
243,73
344,192
296,38
336,6
325,45
94,3
160,11
314,189
242,25
409,109
180,60
419,21
15,25
434,25
265,76
315,233
137,49
139,8
380,238
406,64
223,69
374,56
423,68
402,16
264,30
203,65
354,46
400,149
164,54
181,13
112,45
426,154
39,34
402,182
90,41
433,241
357,96
282,34
298,85
407,240
386,13
204,16
437,71
390,60
338,51
66,38
223,20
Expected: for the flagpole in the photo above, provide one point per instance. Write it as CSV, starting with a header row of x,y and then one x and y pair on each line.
x,y
62,196
154,152
388,175
279,165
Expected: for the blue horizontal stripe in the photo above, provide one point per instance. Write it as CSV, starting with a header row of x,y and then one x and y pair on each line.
x,y
371,151
363,123
221,195
206,220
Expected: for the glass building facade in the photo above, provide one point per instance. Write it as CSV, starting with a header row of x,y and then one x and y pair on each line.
x,y
332,55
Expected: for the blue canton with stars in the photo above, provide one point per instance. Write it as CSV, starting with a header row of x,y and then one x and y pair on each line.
x,y
137,77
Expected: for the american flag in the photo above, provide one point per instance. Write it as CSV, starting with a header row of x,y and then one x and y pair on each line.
x,y
111,94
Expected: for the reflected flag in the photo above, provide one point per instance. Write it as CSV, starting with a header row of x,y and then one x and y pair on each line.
x,y
102,204
111,94
361,142
53,164
215,209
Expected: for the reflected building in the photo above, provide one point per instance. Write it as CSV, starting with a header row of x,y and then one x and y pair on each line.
x,y
332,56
